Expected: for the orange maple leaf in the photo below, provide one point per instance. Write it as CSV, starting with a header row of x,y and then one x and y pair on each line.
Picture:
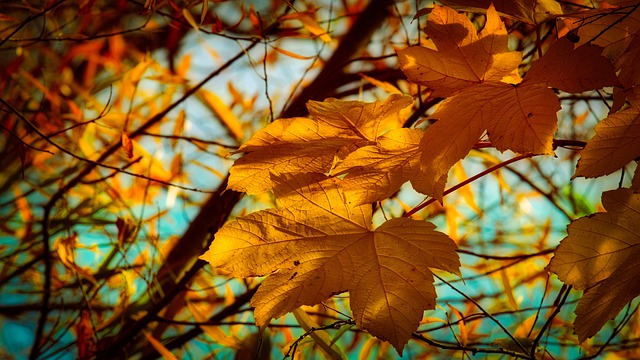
x,y
600,256
520,117
317,245
463,57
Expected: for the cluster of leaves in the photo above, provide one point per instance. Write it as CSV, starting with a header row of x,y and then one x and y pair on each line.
x,y
325,172
116,177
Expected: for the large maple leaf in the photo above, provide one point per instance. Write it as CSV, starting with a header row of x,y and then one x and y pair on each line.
x,y
463,58
600,255
316,244
302,145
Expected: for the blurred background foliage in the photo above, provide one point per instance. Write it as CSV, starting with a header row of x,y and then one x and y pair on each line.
x,y
119,121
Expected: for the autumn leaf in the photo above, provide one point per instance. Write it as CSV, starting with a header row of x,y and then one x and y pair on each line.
x,y
311,145
127,146
573,69
375,172
600,256
463,58
532,11
316,245
518,118
616,143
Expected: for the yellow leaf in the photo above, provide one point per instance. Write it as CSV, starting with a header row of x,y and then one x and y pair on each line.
x,y
214,331
149,164
386,86
310,24
291,54
316,245
161,349
189,17
375,172
222,112
616,143
463,57
600,256
462,325
321,337
311,145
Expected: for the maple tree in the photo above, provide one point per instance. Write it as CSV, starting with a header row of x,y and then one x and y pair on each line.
x,y
303,179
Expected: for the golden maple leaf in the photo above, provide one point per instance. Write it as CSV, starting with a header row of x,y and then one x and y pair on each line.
x,y
520,117
302,145
600,256
316,244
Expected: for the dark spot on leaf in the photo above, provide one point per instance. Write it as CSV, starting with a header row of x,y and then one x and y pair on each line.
x,y
294,275
296,262
529,115
573,37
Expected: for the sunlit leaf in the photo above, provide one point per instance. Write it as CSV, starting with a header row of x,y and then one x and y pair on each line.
x,y
311,145
463,57
222,112
161,349
317,245
518,118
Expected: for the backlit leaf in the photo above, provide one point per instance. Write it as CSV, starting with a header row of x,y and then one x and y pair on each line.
x,y
161,349
518,118
375,172
311,145
600,256
222,112
316,245
463,57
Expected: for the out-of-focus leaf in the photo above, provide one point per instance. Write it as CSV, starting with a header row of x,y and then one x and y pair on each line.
x,y
222,112
321,337
310,24
161,349
127,146
532,11
189,17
